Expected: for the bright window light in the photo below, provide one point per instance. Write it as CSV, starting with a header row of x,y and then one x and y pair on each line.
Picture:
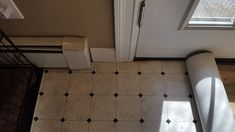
x,y
212,13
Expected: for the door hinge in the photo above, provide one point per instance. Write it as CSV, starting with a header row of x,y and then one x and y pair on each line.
x,y
141,13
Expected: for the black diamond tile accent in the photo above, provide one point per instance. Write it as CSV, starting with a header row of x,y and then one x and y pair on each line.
x,y
41,93
115,120
168,121
116,94
163,73
46,71
139,73
66,94
140,95
35,118
141,120
186,73
190,96
91,94
116,72
70,72
62,119
89,120
195,121
93,72
165,95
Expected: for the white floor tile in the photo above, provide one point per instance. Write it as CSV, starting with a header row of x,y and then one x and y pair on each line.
x,y
105,67
177,85
51,107
101,126
128,84
129,126
174,67
103,107
128,108
156,126
48,126
151,84
151,67
182,127
55,82
80,83
104,83
75,126
77,107
129,67
154,108
179,109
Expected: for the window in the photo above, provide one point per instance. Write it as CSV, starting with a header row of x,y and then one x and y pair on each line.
x,y
210,14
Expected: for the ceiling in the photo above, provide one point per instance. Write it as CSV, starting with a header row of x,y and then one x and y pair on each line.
x,y
159,36
90,18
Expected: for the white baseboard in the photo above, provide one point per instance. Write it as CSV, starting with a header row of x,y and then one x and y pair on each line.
x,y
103,54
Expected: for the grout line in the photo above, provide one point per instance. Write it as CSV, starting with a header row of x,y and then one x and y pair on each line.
x,y
164,87
68,77
116,77
91,98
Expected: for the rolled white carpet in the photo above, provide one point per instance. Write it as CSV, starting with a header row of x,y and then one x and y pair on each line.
x,y
212,102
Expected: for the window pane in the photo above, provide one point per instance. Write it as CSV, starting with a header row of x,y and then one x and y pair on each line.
x,y
214,12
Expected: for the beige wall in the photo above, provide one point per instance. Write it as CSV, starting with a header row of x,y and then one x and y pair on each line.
x,y
90,18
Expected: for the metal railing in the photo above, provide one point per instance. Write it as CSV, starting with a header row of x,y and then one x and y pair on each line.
x,y
10,54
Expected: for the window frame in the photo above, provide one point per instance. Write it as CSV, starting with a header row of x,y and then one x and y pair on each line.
x,y
184,24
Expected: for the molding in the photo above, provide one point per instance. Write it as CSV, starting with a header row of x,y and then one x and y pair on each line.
x,y
219,61
188,14
126,28
103,54
158,59
135,30
118,19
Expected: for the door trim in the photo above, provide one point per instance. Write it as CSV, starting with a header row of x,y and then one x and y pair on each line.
x,y
126,14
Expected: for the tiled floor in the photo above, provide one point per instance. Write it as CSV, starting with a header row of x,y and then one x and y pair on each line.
x,y
150,96
228,76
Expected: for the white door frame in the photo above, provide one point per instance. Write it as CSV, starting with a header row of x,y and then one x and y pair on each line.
x,y
126,13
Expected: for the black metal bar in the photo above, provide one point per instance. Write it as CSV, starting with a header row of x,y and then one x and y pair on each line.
x,y
6,57
34,51
41,51
1,62
16,50
19,85
38,46
5,46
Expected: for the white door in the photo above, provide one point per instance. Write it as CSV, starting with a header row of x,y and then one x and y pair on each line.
x,y
159,37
